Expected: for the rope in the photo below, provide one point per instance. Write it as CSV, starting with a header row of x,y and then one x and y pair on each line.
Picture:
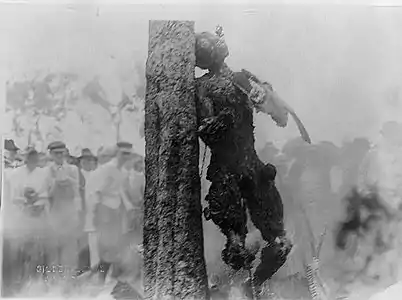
x,y
203,161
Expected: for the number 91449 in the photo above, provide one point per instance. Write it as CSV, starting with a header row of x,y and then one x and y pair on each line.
x,y
54,269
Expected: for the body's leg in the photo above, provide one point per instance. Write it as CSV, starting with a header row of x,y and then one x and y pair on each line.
x,y
227,212
266,212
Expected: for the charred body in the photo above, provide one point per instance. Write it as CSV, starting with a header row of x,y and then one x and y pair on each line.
x,y
240,181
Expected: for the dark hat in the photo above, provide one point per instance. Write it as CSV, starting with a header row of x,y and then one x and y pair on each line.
x,y
73,160
10,145
56,146
86,153
124,145
30,150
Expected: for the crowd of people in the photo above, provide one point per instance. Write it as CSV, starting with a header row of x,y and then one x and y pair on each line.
x,y
354,191
67,215
71,214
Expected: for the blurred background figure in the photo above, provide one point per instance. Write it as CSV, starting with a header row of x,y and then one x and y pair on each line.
x,y
87,161
86,168
112,203
352,155
106,154
382,166
24,247
368,234
134,188
43,160
66,207
12,159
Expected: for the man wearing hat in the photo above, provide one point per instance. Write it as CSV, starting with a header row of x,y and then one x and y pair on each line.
x,y
89,164
86,168
108,190
28,181
28,198
65,206
11,160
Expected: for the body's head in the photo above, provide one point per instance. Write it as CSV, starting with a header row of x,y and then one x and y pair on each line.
x,y
58,152
210,51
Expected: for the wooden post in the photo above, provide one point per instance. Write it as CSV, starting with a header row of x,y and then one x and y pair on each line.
x,y
173,235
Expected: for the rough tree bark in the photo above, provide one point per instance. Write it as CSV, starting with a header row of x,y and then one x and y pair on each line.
x,y
173,235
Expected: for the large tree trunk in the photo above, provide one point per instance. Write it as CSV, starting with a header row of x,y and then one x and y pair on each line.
x,y
173,235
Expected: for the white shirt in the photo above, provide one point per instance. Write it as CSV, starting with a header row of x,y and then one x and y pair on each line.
x,y
90,201
86,174
22,178
108,183
62,172
136,184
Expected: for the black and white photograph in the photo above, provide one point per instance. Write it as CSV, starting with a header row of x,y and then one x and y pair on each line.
x,y
201,151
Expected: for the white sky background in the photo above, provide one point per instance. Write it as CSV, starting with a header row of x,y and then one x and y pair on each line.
x,y
340,67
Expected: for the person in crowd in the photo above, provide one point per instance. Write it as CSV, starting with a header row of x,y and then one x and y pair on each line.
x,y
28,185
381,170
65,207
134,188
11,155
93,163
24,239
43,160
108,190
382,165
352,154
85,171
106,154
